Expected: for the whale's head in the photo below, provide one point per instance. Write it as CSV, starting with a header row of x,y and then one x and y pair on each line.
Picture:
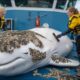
x,y
16,62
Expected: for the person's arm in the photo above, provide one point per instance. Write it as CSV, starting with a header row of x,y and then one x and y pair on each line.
x,y
63,33
71,27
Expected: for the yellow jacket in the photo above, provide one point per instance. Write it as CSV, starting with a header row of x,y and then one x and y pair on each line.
x,y
74,21
2,21
73,26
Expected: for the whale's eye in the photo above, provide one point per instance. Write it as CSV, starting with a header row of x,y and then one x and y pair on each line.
x,y
26,53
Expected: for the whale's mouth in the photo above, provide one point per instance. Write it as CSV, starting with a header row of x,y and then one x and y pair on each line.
x,y
11,63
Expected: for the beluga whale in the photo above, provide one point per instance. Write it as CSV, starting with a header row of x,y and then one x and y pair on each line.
x,y
26,50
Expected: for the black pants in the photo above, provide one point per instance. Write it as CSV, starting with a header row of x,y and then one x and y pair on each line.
x,y
78,45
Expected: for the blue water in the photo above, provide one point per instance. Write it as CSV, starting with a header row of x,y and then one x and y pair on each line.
x,y
29,76
43,70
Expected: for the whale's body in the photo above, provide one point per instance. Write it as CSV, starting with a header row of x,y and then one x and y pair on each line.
x,y
38,48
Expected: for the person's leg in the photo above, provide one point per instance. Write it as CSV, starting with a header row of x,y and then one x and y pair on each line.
x,y
78,46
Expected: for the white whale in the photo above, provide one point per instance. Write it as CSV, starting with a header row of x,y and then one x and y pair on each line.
x,y
34,54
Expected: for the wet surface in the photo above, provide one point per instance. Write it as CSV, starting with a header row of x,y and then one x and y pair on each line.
x,y
47,73
58,73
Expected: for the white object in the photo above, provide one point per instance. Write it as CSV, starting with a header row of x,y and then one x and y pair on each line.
x,y
45,25
18,62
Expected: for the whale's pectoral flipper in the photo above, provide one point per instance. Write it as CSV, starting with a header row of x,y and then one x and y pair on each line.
x,y
61,61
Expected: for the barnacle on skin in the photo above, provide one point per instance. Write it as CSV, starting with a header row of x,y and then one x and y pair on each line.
x,y
37,55
58,59
9,40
